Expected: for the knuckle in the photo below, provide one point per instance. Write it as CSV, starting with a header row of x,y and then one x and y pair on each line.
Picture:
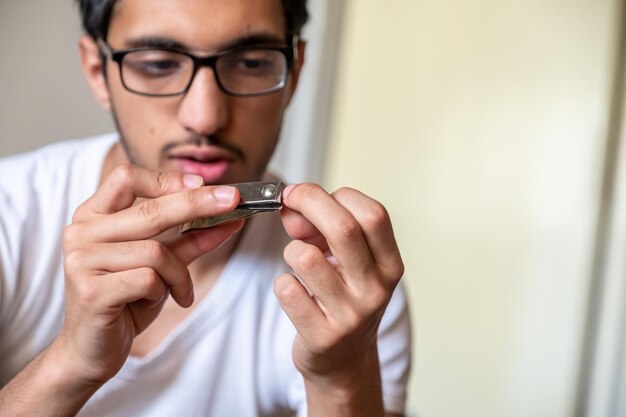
x,y
399,271
155,251
79,213
144,280
394,271
308,258
347,229
87,293
150,211
287,292
378,299
163,181
73,259
343,193
309,189
123,176
194,198
71,234
344,190
124,286
149,278
350,321
375,217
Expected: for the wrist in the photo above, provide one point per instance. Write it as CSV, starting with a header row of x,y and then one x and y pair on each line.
x,y
45,387
63,371
356,391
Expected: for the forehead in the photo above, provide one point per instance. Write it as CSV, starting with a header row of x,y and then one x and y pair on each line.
x,y
197,24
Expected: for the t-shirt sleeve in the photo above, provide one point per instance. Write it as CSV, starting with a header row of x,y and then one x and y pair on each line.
x,y
11,222
394,352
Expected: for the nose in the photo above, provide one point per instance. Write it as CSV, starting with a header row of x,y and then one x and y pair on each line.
x,y
204,108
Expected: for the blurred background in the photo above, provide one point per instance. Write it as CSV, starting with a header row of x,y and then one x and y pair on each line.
x,y
492,130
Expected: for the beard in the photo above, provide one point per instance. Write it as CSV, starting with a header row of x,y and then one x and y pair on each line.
x,y
132,158
192,139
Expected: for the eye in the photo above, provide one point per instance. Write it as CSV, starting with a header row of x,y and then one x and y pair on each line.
x,y
159,67
252,62
155,63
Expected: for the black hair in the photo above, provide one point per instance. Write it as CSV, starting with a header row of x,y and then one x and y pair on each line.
x,y
96,16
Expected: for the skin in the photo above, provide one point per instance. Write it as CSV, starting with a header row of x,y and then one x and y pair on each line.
x,y
122,263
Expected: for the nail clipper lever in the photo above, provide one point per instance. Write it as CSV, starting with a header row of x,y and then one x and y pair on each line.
x,y
255,197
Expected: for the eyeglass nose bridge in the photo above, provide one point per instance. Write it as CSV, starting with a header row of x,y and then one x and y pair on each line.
x,y
201,62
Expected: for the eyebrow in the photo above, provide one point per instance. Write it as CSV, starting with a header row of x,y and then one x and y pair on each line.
x,y
153,42
169,43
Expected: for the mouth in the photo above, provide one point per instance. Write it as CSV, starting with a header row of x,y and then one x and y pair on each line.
x,y
212,164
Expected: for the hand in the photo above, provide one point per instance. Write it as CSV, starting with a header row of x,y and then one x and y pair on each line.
x,y
118,275
348,264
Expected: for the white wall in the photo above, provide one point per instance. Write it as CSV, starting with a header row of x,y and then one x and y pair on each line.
x,y
43,97
481,125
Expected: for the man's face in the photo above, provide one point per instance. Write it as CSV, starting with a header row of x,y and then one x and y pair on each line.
x,y
224,139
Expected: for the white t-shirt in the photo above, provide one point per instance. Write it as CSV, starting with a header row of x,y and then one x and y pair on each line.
x,y
230,357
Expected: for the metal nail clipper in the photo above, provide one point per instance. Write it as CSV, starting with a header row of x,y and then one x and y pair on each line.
x,y
255,197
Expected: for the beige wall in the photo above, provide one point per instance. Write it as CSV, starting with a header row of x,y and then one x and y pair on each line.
x,y
481,125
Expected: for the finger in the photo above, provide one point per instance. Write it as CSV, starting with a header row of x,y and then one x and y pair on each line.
x,y
301,309
121,288
144,312
376,227
127,182
140,290
340,228
192,245
152,217
299,228
118,257
318,276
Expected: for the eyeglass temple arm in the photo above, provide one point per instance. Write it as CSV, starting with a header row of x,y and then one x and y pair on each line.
x,y
295,41
105,49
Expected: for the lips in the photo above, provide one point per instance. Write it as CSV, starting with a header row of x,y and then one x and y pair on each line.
x,y
210,163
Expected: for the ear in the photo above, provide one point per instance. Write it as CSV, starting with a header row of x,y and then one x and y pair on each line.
x,y
296,68
93,70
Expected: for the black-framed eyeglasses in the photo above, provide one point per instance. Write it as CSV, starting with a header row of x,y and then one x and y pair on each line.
x,y
246,71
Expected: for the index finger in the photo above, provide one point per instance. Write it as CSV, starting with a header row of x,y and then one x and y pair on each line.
x,y
300,228
153,217
336,223
128,182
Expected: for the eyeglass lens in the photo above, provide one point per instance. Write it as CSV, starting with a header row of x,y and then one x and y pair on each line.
x,y
246,71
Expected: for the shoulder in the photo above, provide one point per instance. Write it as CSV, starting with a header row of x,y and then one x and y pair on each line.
x,y
51,158
50,169
39,191
39,188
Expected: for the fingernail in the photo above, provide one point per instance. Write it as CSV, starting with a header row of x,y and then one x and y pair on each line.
x,y
192,181
224,194
288,190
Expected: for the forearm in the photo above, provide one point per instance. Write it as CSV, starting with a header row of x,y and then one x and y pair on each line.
x,y
359,394
44,388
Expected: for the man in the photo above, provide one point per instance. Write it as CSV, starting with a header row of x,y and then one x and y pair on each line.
x,y
95,327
